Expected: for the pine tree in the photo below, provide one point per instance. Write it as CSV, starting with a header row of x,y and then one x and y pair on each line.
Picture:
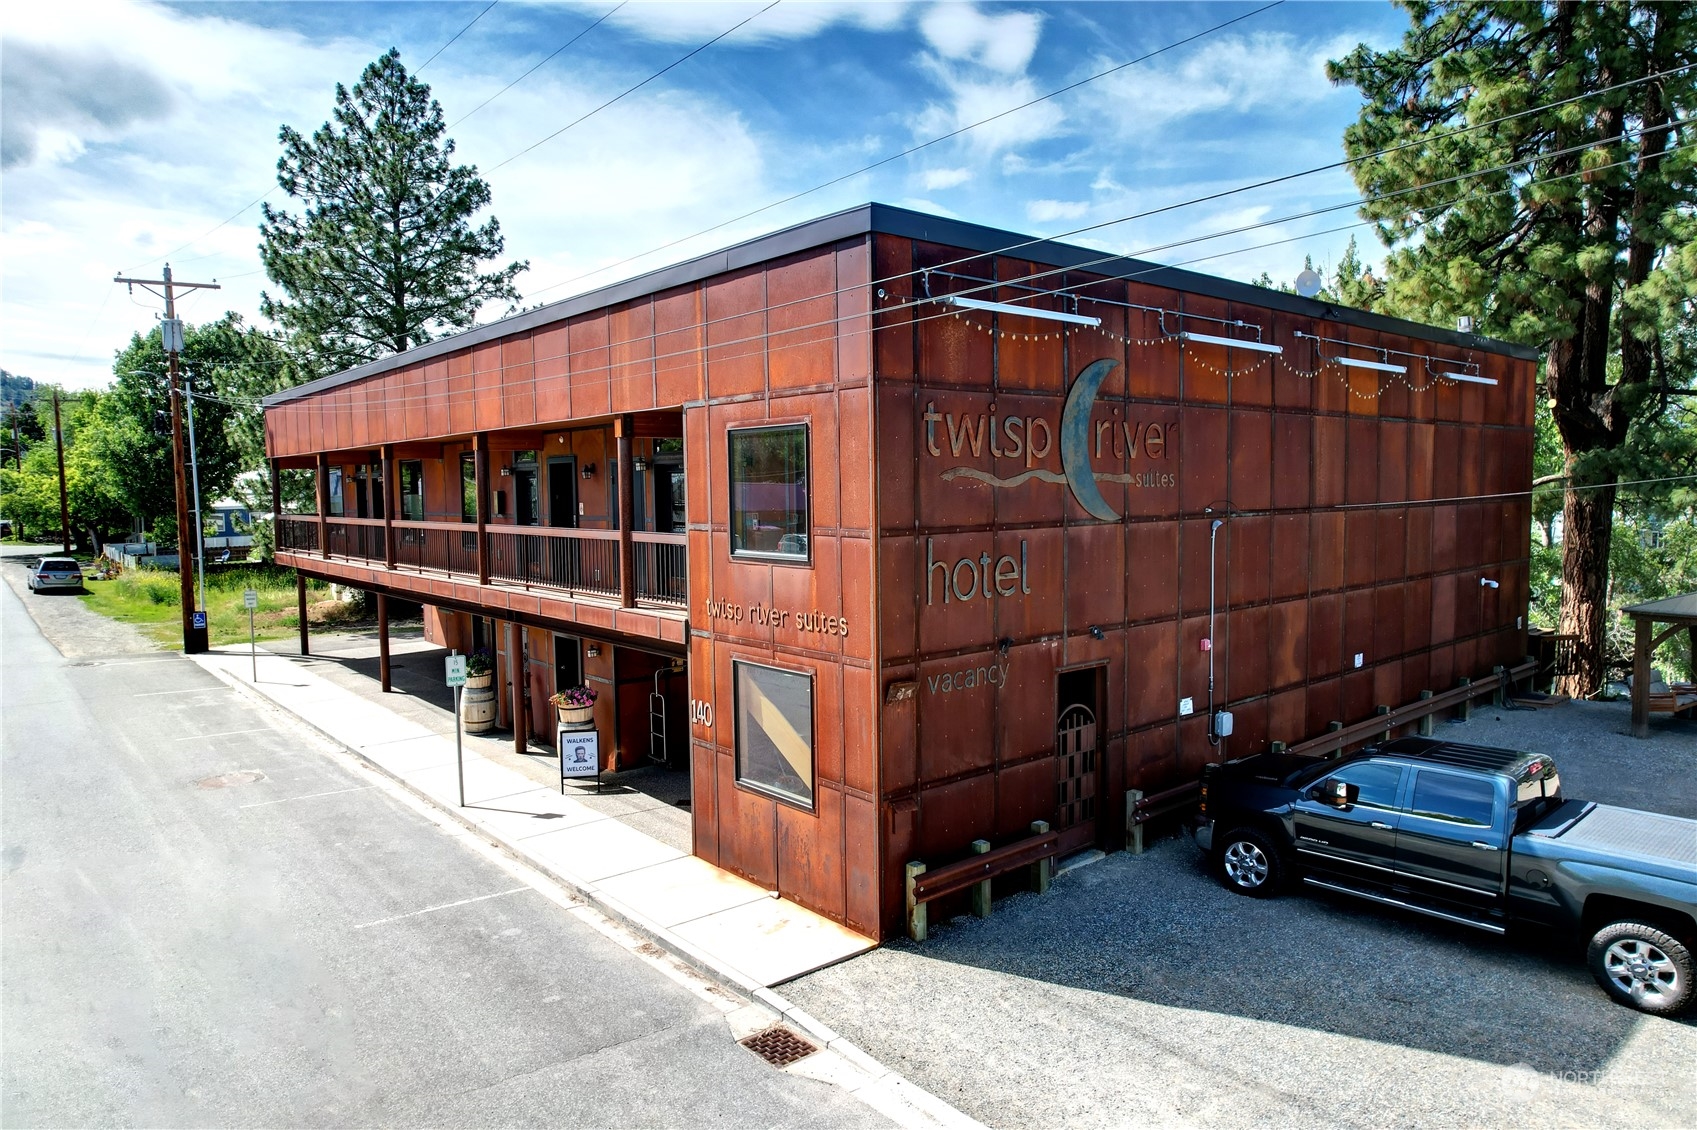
x,y
384,256
1573,232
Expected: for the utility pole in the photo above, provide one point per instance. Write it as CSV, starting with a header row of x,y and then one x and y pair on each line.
x,y
64,508
194,622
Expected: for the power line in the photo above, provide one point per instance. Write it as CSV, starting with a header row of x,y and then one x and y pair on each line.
x,y
908,152
457,35
538,66
761,341
637,87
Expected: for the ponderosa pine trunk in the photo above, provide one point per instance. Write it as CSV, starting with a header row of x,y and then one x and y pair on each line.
x,y
1587,530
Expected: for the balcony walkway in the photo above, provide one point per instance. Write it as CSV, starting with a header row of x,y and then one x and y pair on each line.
x,y
710,917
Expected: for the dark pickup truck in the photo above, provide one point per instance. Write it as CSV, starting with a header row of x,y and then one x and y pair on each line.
x,y
1474,835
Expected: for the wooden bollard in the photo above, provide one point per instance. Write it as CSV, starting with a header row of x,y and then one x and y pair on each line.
x,y
1498,699
1335,751
981,891
1133,829
1465,710
1382,711
1425,727
1044,869
916,917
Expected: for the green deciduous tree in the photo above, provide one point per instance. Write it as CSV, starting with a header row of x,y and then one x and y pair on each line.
x,y
29,495
384,257
1575,234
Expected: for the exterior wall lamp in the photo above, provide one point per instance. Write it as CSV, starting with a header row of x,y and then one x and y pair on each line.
x,y
640,464
589,470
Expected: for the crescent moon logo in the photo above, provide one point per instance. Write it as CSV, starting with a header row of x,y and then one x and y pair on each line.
x,y
1075,440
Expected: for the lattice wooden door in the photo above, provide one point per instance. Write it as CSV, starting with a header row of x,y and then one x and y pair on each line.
x,y
1075,755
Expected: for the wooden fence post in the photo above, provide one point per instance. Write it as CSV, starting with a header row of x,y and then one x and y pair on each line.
x,y
981,891
1425,727
1044,869
1382,710
1133,828
1497,696
916,918
1465,710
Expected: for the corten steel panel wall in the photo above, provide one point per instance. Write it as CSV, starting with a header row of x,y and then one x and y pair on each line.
x,y
1354,523
789,341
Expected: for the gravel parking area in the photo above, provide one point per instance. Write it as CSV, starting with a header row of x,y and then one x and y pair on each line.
x,y
1139,992
68,624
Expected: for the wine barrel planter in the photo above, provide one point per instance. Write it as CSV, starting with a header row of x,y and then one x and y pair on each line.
x,y
477,704
576,715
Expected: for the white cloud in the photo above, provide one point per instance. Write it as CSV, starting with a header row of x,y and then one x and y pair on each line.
x,y
695,23
936,179
1048,211
1001,43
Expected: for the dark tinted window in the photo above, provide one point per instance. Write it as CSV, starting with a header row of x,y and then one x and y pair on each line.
x,y
1446,796
769,504
1377,782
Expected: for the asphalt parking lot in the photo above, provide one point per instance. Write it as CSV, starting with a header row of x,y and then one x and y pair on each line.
x,y
1140,992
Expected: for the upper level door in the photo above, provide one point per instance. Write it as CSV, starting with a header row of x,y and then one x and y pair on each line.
x,y
562,491
526,510
1449,845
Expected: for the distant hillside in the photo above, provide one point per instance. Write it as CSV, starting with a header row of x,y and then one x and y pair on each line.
x,y
14,389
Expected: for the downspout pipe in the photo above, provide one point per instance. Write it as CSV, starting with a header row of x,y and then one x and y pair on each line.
x,y
1213,539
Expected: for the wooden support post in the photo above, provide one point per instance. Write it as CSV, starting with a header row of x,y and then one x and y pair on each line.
x,y
1497,696
383,641
981,891
622,427
1425,725
300,608
1380,711
480,470
515,673
1043,871
916,923
1465,710
1642,629
276,506
1335,751
1133,826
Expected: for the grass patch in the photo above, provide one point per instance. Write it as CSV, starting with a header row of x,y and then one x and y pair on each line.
x,y
150,599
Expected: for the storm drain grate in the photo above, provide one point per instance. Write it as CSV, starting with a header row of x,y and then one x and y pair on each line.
x,y
779,1046
225,780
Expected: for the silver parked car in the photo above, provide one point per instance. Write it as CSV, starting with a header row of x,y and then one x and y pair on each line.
x,y
56,573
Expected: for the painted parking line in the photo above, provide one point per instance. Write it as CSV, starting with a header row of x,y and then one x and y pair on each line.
x,y
307,796
191,690
444,906
226,734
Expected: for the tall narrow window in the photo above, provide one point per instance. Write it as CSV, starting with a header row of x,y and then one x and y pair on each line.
x,y
468,487
769,499
412,490
774,731
334,492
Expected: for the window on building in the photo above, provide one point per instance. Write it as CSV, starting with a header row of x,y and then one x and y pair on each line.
x,y
769,501
412,490
335,492
774,731
468,487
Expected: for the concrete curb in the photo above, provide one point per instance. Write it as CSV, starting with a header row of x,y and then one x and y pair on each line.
x,y
895,1095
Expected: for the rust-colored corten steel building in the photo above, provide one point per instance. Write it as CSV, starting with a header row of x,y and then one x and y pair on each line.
x,y
894,565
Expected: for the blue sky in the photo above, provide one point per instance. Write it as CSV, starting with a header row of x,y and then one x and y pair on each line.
x,y
131,131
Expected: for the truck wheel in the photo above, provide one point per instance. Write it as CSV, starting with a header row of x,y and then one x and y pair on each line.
x,y
1642,967
1250,864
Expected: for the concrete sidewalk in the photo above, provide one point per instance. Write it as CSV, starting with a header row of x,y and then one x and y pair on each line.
x,y
713,919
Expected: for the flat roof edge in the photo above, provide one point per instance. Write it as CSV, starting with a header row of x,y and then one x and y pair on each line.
x,y
886,219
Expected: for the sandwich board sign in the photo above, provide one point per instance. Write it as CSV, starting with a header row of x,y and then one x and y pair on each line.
x,y
580,755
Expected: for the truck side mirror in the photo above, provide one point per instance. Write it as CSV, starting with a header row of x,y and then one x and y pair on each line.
x,y
1341,793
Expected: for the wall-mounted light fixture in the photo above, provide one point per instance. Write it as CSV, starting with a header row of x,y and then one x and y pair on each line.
x,y
589,470
1235,342
640,464
1096,633
1487,583
1003,644
592,651
1025,311
1470,378
1378,366
506,470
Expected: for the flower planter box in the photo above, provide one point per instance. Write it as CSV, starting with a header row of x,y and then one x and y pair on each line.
x,y
575,715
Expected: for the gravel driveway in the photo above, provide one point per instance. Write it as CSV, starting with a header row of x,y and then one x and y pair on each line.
x,y
1139,992
69,625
